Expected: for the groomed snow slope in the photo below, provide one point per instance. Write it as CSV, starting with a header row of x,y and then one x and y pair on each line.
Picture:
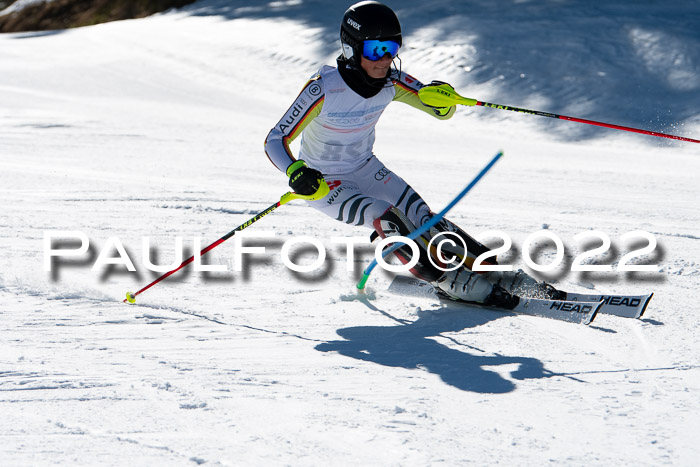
x,y
154,128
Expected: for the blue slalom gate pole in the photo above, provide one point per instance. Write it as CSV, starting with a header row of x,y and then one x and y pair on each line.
x,y
433,220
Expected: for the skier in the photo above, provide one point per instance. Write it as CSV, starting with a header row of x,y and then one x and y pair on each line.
x,y
336,113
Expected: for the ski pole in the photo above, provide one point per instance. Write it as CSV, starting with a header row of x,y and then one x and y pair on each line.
x,y
287,197
433,220
444,95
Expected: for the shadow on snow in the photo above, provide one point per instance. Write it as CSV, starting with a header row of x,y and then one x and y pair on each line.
x,y
412,346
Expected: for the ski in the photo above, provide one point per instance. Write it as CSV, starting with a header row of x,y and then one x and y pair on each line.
x,y
626,306
572,311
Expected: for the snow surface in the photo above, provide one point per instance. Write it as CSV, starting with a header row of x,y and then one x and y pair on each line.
x,y
154,128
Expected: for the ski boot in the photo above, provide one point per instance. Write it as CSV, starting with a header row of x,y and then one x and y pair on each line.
x,y
524,285
463,284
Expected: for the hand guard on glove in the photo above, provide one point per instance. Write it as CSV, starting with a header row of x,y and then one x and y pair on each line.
x,y
439,111
303,179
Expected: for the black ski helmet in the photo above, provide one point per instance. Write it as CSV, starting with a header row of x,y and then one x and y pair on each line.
x,y
363,21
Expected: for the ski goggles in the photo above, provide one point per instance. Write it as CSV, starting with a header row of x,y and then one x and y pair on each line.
x,y
374,50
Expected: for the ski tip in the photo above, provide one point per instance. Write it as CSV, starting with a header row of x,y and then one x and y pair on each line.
x,y
644,307
130,297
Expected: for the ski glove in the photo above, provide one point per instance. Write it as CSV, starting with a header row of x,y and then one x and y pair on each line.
x,y
439,111
303,179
